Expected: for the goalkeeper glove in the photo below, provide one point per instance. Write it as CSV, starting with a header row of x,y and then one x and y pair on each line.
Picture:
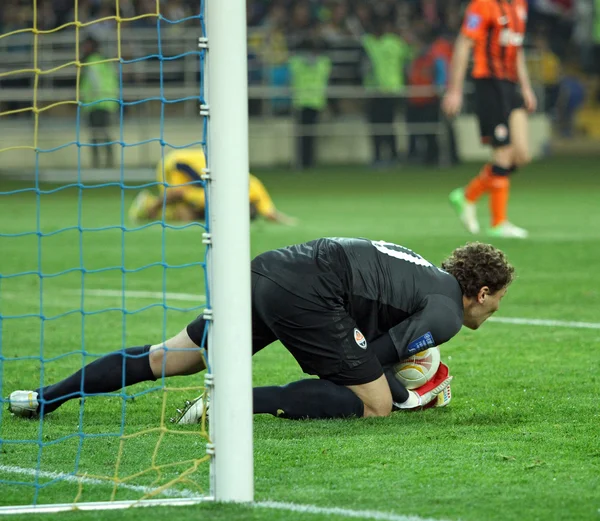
x,y
434,393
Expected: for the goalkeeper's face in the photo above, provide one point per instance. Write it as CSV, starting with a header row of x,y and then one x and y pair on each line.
x,y
481,307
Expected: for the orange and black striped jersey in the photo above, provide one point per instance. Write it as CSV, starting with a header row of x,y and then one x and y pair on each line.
x,y
498,29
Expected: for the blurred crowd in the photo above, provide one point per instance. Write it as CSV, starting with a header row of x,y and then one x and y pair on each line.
x,y
569,21
563,37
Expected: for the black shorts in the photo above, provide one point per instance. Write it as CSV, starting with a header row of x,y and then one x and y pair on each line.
x,y
323,338
495,100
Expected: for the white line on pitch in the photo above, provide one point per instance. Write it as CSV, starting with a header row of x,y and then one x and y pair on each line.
x,y
290,507
63,476
153,295
190,297
547,323
275,505
345,512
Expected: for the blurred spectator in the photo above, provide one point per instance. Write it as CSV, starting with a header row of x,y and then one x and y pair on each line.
x,y
387,55
429,12
361,21
99,84
558,16
428,75
544,67
310,70
106,25
596,40
278,27
15,18
145,7
442,49
301,26
274,51
583,34
571,96
46,18
336,29
175,10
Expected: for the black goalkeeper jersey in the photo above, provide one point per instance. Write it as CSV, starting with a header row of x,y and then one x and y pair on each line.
x,y
384,287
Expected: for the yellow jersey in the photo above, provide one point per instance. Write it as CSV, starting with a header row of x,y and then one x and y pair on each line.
x,y
183,169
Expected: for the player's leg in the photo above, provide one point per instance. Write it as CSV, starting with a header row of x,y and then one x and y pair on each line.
x,y
104,129
194,410
374,117
325,342
506,160
519,131
360,391
93,122
489,112
311,120
181,354
177,356
388,115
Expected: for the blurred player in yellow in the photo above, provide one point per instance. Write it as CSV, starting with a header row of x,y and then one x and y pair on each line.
x,y
183,199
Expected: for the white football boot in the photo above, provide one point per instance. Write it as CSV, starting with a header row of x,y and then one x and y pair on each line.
x,y
466,211
192,412
508,230
24,404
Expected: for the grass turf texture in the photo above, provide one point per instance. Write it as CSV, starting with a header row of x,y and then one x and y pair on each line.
x,y
520,441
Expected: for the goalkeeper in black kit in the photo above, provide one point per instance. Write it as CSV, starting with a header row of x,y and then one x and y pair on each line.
x,y
347,310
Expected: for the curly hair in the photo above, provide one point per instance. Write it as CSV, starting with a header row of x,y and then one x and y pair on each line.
x,y
475,265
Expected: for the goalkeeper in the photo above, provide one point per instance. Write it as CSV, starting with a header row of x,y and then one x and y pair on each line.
x,y
346,309
181,192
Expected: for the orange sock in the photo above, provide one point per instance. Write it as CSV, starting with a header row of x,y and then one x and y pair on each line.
x,y
499,193
479,185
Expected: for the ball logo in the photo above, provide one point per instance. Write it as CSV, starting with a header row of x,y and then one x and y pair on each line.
x,y
360,339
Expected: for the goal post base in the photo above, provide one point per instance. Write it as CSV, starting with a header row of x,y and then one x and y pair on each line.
x,y
103,505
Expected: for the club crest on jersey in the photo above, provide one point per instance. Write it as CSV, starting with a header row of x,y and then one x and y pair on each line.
x,y
360,339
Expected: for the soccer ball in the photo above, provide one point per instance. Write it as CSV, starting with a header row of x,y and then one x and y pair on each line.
x,y
419,368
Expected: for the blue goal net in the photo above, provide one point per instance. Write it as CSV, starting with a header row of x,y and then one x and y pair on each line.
x,y
95,256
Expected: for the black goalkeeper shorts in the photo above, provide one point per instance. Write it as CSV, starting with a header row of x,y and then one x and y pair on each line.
x,y
323,338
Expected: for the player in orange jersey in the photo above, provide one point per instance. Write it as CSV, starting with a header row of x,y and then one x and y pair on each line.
x,y
494,30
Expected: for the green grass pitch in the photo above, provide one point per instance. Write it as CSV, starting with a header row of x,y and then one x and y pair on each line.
x,y
520,440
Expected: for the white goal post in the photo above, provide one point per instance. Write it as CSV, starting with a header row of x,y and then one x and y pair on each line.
x,y
230,352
